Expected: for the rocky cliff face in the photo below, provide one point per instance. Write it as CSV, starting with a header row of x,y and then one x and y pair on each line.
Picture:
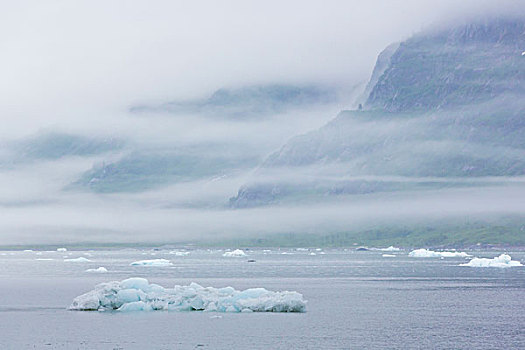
x,y
443,69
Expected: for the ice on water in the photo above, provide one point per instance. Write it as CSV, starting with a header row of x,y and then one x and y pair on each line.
x,y
101,269
388,249
235,254
502,261
424,253
80,259
153,262
137,294
179,253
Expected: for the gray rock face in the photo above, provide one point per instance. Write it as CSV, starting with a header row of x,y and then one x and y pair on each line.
x,y
443,69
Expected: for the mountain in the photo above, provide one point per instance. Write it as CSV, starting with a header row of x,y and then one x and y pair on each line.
x,y
249,101
443,69
153,168
443,108
58,145
50,146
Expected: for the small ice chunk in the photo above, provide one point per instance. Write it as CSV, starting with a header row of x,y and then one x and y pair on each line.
x,y
502,261
153,262
388,256
101,269
80,259
177,253
137,294
424,253
235,254
61,250
28,250
312,253
44,259
390,249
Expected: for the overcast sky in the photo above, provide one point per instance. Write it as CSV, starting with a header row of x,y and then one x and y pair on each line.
x,y
61,58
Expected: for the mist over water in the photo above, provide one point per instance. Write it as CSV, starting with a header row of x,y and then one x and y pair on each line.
x,y
148,126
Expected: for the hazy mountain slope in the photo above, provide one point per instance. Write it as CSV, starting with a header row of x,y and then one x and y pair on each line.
x,y
249,101
441,69
49,146
148,169
449,105
56,145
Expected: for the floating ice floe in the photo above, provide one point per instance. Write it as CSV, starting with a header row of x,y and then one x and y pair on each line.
x,y
81,259
176,253
502,261
388,256
61,250
424,253
44,259
101,269
390,249
153,262
235,254
137,294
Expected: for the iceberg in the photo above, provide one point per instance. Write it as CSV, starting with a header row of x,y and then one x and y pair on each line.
x,y
153,262
137,294
235,254
61,250
424,253
101,269
502,261
81,259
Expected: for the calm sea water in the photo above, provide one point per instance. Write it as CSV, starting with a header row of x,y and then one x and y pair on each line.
x,y
356,300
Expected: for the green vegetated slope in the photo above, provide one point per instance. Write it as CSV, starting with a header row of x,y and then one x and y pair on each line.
x,y
507,231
